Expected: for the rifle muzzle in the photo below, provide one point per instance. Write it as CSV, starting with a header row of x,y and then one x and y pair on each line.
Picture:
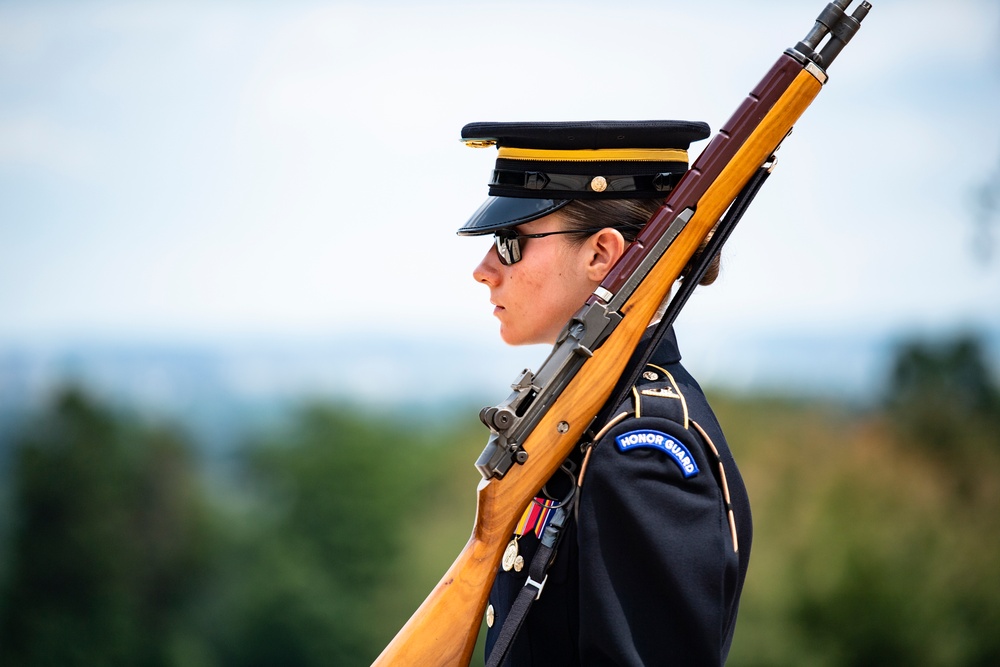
x,y
834,22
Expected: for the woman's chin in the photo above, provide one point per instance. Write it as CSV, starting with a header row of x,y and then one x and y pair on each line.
x,y
509,338
514,337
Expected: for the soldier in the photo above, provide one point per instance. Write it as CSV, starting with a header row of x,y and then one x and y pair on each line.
x,y
649,568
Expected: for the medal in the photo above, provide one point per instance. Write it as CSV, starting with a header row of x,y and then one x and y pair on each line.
x,y
536,516
510,555
519,563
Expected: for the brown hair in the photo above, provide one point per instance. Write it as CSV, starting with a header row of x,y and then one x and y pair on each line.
x,y
628,216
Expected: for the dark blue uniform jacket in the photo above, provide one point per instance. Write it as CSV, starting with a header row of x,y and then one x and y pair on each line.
x,y
646,572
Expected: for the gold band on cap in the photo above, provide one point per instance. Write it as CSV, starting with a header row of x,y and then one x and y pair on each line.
x,y
595,155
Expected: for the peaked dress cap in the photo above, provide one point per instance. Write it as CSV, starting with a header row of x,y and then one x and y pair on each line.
x,y
543,166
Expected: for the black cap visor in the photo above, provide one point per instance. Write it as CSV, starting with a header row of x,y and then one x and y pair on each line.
x,y
502,212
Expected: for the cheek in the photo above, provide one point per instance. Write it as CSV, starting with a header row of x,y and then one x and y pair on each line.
x,y
530,282
547,303
541,295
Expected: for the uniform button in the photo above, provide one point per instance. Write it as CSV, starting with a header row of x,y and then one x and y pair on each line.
x,y
490,616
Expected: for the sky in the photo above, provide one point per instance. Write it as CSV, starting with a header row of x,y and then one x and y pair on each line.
x,y
215,170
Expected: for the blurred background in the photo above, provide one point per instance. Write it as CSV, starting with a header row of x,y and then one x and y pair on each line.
x,y
242,355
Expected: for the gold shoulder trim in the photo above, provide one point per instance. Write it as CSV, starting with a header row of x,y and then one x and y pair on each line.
x,y
673,383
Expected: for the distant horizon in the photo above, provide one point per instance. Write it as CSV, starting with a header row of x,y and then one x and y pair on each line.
x,y
826,364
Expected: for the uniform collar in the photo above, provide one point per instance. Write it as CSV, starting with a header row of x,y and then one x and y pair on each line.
x,y
666,352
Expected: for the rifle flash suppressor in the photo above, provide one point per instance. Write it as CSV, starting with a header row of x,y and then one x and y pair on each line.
x,y
834,22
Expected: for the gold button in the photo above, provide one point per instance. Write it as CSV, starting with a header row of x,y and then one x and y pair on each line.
x,y
490,616
599,184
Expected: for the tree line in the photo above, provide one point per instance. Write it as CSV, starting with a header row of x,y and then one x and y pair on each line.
x,y
877,530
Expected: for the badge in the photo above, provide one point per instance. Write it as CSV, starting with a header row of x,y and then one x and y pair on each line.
x,y
664,392
663,442
519,563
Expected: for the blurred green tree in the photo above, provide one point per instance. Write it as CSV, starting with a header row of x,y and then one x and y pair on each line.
x,y
107,544
944,396
885,533
876,532
318,540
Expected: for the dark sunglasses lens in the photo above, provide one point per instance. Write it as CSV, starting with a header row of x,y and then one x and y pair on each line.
x,y
508,249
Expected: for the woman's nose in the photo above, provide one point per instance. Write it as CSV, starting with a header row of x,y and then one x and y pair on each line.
x,y
487,271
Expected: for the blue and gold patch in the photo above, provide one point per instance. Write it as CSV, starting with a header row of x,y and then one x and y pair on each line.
x,y
663,442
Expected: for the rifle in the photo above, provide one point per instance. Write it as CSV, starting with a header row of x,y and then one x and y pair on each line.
x,y
534,430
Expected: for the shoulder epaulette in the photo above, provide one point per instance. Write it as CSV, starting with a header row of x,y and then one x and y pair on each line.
x,y
657,394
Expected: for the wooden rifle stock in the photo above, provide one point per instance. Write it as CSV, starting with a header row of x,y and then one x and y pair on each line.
x,y
444,628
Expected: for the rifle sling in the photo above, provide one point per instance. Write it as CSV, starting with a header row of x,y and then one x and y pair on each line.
x,y
545,555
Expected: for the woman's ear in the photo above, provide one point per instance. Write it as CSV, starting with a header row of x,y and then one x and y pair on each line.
x,y
603,248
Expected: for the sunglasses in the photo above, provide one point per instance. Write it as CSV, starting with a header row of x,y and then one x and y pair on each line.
x,y
508,242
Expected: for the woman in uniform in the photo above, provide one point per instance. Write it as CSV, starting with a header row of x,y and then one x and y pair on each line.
x,y
649,567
